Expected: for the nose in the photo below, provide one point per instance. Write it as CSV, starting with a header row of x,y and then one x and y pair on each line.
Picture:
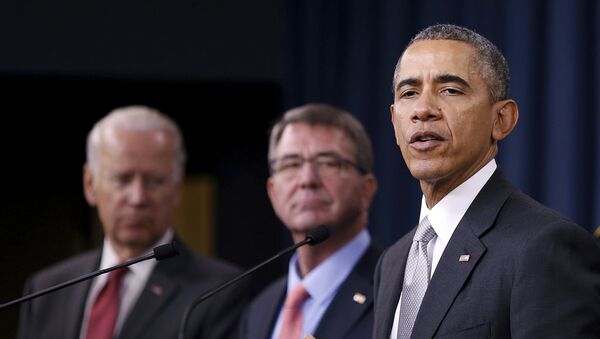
x,y
308,177
137,193
426,108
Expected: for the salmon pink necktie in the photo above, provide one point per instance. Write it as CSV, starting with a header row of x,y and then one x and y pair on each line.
x,y
291,326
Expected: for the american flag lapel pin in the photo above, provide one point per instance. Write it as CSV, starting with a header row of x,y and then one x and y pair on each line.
x,y
464,258
156,290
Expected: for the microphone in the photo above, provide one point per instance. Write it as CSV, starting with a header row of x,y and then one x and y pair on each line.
x,y
159,253
313,237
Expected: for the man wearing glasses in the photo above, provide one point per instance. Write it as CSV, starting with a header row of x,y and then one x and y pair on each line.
x,y
321,174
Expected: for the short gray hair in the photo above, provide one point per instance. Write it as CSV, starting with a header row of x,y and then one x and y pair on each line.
x,y
491,62
326,115
139,118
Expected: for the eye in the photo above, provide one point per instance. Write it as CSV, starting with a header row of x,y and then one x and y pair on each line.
x,y
156,181
451,91
289,164
121,180
328,162
408,94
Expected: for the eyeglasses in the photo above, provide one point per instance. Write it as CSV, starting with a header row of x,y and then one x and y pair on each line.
x,y
326,165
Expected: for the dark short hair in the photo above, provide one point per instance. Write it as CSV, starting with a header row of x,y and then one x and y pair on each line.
x,y
316,114
491,62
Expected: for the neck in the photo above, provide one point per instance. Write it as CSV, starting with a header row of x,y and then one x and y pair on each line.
x,y
126,252
436,190
309,257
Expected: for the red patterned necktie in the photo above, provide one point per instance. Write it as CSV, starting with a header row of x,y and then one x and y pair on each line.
x,y
103,316
291,326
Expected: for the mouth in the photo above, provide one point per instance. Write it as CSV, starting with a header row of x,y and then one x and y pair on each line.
x,y
308,202
424,140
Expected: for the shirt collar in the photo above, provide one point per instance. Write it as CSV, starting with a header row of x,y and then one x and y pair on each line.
x,y
143,268
324,280
447,213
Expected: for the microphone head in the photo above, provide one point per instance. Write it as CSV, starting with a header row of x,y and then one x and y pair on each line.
x,y
317,235
166,251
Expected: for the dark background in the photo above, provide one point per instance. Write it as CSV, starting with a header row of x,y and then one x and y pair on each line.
x,y
224,70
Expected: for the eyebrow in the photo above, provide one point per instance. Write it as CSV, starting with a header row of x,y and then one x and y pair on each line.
x,y
442,78
446,78
318,154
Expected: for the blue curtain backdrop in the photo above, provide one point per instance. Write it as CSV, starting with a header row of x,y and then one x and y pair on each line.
x,y
343,52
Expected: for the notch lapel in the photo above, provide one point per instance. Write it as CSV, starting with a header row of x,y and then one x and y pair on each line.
x,y
447,281
451,274
73,311
264,322
344,311
389,285
159,289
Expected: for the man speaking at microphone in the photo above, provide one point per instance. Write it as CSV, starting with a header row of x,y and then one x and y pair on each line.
x,y
133,175
321,174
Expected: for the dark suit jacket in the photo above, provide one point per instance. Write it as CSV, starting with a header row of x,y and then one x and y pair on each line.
x,y
343,319
532,273
172,285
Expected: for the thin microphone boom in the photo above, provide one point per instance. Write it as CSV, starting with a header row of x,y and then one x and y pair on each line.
x,y
313,237
159,252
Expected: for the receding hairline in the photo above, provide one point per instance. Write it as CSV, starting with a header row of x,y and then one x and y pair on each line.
x,y
473,66
320,114
134,118
487,56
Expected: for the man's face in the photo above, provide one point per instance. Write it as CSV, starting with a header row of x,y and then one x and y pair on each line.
x,y
442,114
135,188
315,194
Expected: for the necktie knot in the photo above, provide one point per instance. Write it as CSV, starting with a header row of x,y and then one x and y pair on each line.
x,y
425,231
296,297
117,275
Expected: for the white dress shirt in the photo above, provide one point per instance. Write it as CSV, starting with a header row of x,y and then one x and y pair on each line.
x,y
132,285
445,216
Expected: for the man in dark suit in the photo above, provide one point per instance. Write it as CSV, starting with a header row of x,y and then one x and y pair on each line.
x,y
133,176
321,174
486,261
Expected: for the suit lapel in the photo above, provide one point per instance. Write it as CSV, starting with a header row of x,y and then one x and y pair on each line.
x,y
451,273
160,288
447,281
389,286
264,322
73,311
353,299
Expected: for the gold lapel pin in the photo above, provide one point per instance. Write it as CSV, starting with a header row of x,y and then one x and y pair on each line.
x,y
359,298
464,258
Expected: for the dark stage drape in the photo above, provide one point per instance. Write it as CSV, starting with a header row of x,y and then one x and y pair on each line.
x,y
343,52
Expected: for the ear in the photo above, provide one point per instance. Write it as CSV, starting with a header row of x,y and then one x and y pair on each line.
x,y
88,185
179,187
392,115
369,190
270,188
506,115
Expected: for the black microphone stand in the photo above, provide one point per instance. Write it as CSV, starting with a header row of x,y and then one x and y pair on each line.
x,y
160,252
312,238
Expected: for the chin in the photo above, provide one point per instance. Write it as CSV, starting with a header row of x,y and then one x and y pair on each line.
x,y
425,170
304,226
137,240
